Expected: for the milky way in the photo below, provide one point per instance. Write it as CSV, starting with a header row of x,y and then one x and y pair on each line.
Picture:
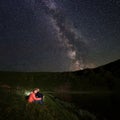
x,y
58,35
67,35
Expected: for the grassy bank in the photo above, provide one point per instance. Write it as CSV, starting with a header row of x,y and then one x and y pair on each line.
x,y
15,107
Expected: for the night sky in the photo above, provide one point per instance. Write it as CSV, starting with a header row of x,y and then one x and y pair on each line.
x,y
58,35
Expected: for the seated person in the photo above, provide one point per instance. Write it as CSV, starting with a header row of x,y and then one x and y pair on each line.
x,y
33,99
39,95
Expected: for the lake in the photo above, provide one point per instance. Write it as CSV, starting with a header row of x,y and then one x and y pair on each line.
x,y
105,105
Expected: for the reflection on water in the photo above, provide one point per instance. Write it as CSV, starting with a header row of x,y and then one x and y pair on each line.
x,y
103,105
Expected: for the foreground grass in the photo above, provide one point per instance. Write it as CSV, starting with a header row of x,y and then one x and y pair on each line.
x,y
15,107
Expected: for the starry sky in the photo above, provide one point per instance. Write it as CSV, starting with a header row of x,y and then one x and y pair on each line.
x,y
58,35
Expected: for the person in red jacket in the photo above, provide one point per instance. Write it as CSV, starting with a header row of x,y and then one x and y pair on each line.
x,y
32,97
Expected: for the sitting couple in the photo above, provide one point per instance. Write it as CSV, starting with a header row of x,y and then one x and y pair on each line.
x,y
36,97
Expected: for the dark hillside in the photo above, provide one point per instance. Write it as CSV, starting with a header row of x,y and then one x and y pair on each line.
x,y
107,76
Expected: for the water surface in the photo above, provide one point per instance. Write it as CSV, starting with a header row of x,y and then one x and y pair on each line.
x,y
105,105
